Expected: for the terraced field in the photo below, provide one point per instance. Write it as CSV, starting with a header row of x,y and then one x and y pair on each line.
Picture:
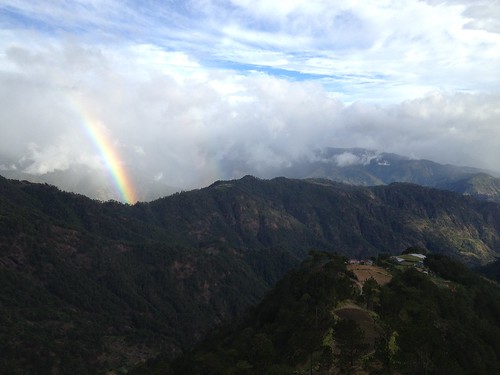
x,y
364,272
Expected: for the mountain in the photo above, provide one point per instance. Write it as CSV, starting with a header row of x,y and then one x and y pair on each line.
x,y
89,182
359,166
481,185
326,318
354,166
86,286
491,270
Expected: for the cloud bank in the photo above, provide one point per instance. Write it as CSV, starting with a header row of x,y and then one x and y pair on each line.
x,y
187,94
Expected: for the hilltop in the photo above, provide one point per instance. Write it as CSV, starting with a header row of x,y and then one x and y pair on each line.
x,y
316,321
88,285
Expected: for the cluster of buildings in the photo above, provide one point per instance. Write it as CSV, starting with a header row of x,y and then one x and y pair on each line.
x,y
415,260
408,258
367,262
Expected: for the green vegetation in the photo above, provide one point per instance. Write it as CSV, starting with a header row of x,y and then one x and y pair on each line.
x,y
87,286
419,327
287,330
480,185
491,270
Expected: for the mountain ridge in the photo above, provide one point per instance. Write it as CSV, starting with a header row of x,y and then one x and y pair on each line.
x,y
365,167
355,166
121,283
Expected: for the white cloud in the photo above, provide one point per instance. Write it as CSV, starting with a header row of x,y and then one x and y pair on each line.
x,y
207,91
345,159
348,158
11,167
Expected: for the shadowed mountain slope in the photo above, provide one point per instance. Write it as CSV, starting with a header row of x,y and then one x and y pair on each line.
x,y
316,321
89,285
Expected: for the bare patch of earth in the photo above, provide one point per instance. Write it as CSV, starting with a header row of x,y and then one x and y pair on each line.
x,y
364,272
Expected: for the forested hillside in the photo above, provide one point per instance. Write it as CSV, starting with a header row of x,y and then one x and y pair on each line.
x,y
317,321
88,286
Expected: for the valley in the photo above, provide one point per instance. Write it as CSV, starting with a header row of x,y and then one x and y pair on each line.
x,y
316,321
89,286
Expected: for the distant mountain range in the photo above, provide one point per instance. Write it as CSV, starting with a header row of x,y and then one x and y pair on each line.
x,y
86,286
92,183
358,166
355,166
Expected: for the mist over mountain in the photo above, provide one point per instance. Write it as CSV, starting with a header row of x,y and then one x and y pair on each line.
x,y
184,93
355,166
358,166
162,111
88,285
94,183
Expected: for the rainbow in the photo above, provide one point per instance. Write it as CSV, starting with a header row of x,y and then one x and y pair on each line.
x,y
97,132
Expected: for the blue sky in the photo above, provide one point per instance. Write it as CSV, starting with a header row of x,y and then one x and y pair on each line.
x,y
259,81
405,48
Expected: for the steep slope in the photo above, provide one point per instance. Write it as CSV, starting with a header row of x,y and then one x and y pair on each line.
x,y
89,285
315,321
491,270
481,185
86,286
303,214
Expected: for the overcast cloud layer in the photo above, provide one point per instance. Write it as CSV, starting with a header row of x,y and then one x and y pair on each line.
x,y
193,91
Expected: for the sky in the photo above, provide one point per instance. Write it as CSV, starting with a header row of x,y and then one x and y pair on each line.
x,y
127,94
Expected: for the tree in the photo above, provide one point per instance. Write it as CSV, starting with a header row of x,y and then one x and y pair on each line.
x,y
349,340
385,346
326,359
370,289
262,352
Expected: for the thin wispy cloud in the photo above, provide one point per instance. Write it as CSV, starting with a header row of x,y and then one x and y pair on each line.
x,y
188,92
